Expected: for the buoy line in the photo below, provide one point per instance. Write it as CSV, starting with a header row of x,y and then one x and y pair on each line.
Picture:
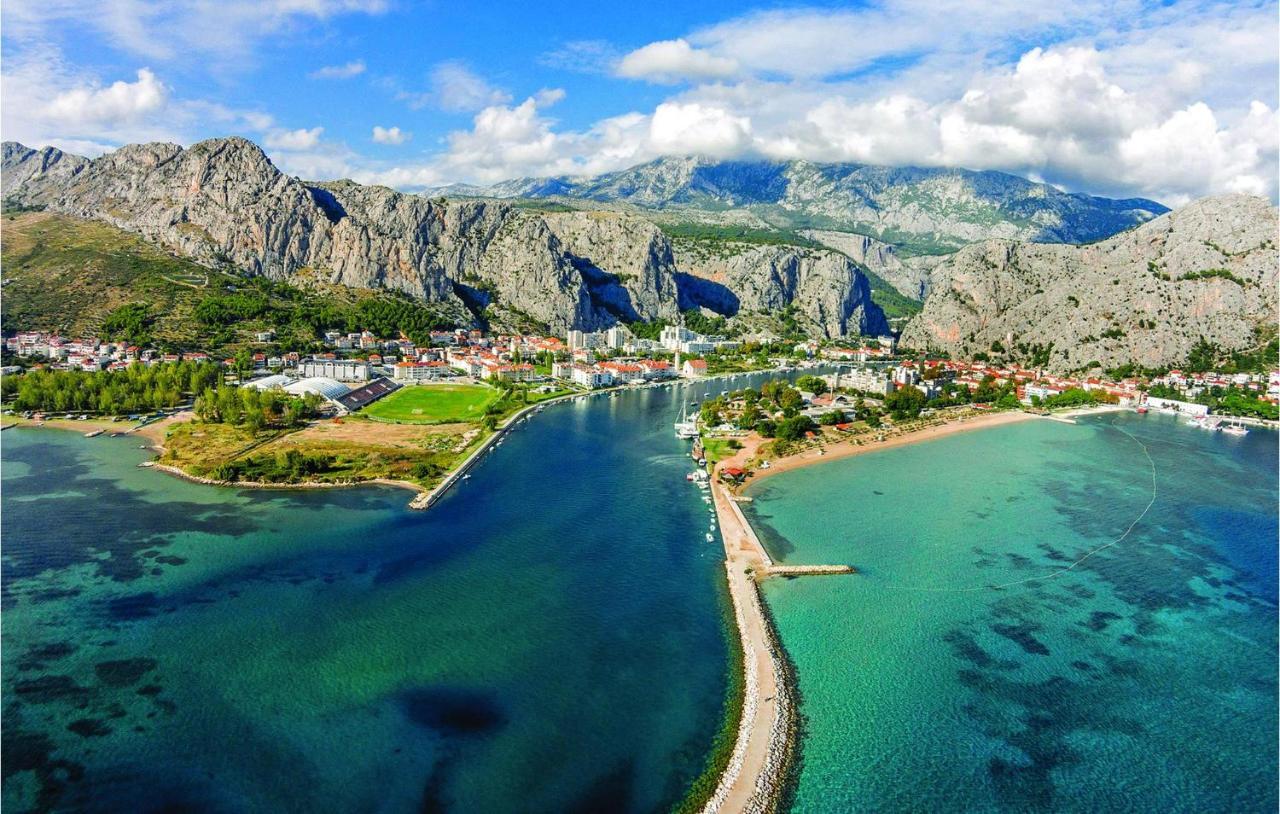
x,y
1059,572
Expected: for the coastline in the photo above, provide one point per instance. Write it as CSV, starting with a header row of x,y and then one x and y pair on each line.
x,y
766,753
851,447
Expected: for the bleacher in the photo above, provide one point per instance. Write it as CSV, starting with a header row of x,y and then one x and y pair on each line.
x,y
368,393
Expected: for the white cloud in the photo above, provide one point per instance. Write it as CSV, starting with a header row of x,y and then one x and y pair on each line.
x,y
346,71
47,102
119,103
390,135
297,140
582,56
455,88
228,30
696,128
674,61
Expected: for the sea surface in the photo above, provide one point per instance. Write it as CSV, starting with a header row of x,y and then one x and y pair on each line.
x,y
983,660
550,637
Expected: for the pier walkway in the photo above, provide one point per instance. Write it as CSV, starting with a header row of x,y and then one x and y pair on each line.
x,y
766,731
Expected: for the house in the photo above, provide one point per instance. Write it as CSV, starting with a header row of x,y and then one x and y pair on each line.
x,y
694,367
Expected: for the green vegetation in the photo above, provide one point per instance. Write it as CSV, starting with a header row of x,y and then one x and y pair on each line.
x,y
129,323
905,403
1074,397
736,234
83,278
254,408
435,404
1210,274
137,389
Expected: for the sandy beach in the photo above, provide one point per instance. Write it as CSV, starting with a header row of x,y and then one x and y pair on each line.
x,y
867,443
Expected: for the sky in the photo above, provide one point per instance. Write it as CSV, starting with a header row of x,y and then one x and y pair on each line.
x,y
1169,100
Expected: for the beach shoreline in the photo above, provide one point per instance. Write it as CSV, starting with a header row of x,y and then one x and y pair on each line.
x,y
852,447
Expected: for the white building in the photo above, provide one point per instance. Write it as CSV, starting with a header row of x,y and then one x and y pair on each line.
x,y
1185,407
343,370
591,378
616,337
419,371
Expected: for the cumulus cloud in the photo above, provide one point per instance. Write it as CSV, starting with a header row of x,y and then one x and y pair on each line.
x,y
674,61
390,135
120,102
346,71
47,102
300,139
696,128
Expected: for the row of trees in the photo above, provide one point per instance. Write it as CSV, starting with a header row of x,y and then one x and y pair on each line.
x,y
253,408
136,389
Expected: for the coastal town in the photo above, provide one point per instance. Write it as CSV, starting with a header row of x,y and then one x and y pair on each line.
x,y
874,369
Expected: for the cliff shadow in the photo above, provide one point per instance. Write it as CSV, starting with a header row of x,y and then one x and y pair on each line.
x,y
699,292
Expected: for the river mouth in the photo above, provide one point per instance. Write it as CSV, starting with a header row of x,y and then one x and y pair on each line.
x,y
549,635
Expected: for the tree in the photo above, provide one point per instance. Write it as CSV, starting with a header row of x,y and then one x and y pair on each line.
x,y
832,418
812,384
793,428
905,402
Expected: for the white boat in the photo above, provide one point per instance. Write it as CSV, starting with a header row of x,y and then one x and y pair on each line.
x,y
710,538
1234,429
686,428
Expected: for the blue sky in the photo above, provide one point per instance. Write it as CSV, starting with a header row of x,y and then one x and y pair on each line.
x,y
1172,100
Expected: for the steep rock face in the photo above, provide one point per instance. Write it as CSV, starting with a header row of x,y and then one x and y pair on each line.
x,y
1145,296
909,275
49,165
222,202
627,261
830,294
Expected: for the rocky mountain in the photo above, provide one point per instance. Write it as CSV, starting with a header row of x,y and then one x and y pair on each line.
x,y
908,275
1144,296
928,210
223,203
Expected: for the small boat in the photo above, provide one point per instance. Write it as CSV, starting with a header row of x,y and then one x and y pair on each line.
x,y
93,434
1142,409
711,538
1234,429
466,477
689,477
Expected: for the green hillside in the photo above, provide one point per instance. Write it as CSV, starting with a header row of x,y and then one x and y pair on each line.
x,y
84,278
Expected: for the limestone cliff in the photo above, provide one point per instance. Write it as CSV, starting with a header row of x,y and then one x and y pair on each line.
x,y
222,202
1144,296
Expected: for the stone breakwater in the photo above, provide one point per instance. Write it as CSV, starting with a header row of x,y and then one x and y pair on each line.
x,y
747,721
765,792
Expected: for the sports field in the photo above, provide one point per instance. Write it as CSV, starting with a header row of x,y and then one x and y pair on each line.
x,y
434,403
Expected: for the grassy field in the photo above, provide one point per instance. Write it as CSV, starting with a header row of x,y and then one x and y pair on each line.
x,y
434,404
340,452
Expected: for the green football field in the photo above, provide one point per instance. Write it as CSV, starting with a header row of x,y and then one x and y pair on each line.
x,y
434,403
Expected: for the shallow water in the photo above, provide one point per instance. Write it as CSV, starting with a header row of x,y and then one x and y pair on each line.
x,y
549,637
1142,679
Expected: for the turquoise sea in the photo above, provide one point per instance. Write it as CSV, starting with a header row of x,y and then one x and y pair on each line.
x,y
549,637
1142,678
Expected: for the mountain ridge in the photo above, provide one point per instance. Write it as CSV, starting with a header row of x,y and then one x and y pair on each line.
x,y
927,208
223,202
